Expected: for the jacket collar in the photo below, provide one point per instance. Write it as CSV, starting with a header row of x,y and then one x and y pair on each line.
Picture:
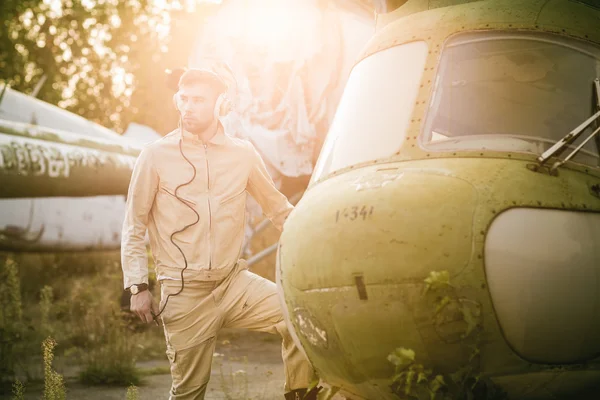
x,y
218,138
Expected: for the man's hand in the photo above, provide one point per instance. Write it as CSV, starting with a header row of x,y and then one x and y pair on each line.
x,y
142,304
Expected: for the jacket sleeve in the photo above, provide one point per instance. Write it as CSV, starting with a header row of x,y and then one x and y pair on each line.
x,y
261,186
140,197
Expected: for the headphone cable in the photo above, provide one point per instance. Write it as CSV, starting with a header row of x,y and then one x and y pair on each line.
x,y
184,228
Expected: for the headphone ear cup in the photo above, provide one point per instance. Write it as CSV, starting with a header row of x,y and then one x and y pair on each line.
x,y
217,110
222,106
175,102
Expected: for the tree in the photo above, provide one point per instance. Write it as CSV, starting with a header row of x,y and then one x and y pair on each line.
x,y
102,59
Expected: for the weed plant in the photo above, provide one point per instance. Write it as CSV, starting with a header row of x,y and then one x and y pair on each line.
x,y
77,299
132,393
54,388
18,390
11,322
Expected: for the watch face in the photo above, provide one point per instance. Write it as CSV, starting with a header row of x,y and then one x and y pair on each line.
x,y
134,289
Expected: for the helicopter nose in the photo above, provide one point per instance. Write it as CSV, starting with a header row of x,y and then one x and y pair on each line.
x,y
374,236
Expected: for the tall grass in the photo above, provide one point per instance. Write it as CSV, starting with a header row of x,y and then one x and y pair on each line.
x,y
11,322
112,356
12,295
18,390
54,388
132,393
46,298
75,299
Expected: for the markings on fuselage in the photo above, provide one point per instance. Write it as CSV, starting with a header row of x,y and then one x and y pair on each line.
x,y
354,213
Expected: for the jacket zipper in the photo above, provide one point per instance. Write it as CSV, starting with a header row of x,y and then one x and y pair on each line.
x,y
209,210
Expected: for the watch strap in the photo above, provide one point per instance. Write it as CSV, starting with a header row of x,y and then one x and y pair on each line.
x,y
139,288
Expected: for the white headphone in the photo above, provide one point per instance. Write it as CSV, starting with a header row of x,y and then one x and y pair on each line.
x,y
223,105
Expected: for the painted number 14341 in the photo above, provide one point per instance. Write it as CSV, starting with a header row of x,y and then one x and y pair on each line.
x,y
354,213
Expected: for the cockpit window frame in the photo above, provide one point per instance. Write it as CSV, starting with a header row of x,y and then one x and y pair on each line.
x,y
588,48
321,171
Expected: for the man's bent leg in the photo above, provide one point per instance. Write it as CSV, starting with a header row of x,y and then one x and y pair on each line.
x,y
190,370
299,373
191,322
251,302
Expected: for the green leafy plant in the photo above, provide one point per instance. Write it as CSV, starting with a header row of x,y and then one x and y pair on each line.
x,y
327,393
46,299
95,335
54,388
12,296
11,320
111,358
18,390
412,379
437,280
132,393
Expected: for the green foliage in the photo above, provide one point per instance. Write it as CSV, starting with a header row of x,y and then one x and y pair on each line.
x,y
46,297
412,379
103,60
327,393
313,384
54,388
11,296
111,356
448,303
132,393
402,357
11,324
76,297
18,390
437,280
104,334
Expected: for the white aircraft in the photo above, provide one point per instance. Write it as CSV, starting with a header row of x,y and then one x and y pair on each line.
x,y
42,147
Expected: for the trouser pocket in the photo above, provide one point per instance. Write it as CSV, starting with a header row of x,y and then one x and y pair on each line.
x,y
190,369
176,373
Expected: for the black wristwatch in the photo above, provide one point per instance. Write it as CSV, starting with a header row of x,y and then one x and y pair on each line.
x,y
135,289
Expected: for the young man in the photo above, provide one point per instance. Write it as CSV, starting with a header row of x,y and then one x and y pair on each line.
x,y
188,190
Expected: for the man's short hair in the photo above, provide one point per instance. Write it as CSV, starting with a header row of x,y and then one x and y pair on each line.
x,y
194,75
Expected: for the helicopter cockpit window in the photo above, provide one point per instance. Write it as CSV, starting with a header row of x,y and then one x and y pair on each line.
x,y
373,114
518,92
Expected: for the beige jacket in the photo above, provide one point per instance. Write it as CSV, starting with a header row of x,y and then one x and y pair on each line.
x,y
226,168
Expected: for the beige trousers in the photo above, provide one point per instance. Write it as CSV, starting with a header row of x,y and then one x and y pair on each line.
x,y
193,318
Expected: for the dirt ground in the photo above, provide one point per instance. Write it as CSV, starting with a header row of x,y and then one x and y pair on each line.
x,y
246,366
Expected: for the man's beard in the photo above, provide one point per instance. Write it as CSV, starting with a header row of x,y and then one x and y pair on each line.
x,y
196,127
